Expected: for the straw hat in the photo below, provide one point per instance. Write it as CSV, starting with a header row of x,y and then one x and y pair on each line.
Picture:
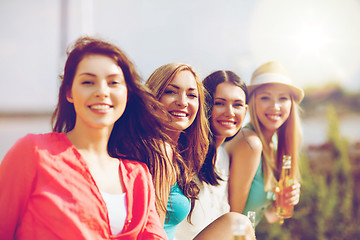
x,y
274,72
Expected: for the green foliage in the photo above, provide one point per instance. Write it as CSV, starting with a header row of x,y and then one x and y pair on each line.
x,y
316,100
326,208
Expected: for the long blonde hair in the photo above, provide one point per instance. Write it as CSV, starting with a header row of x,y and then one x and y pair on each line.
x,y
289,141
193,142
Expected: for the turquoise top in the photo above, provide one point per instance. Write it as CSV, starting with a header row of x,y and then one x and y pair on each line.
x,y
258,199
178,207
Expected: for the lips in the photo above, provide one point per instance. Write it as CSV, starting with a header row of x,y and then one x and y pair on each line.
x,y
227,123
178,114
100,107
273,117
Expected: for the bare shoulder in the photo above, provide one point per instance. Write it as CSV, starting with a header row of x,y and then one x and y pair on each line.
x,y
245,154
245,140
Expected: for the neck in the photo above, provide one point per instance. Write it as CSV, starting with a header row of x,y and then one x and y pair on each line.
x,y
218,141
268,135
92,141
174,135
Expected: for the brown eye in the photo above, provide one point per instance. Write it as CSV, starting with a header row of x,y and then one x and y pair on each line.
x,y
86,82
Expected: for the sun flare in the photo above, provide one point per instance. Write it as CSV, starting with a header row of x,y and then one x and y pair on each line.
x,y
312,39
318,41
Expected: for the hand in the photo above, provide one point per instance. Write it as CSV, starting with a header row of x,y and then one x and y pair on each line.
x,y
292,194
289,196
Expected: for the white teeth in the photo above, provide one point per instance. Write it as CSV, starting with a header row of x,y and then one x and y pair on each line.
x,y
274,117
227,123
100,107
177,114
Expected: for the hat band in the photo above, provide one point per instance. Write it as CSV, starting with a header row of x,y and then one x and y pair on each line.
x,y
271,78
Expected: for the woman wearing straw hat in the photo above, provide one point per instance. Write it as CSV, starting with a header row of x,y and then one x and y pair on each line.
x,y
256,151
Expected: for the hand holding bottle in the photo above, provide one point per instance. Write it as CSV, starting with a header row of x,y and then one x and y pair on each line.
x,y
287,192
291,194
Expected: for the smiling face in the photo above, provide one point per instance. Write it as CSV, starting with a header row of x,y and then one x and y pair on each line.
x,y
98,92
180,99
273,106
228,111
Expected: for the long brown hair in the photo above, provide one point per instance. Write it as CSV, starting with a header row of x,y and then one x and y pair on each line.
x,y
140,133
193,142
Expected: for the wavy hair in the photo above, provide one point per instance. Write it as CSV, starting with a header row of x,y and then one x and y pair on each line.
x,y
140,133
193,142
207,172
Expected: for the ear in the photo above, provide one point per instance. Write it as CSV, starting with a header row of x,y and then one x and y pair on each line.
x,y
69,96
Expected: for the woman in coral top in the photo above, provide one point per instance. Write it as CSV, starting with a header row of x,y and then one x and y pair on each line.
x,y
88,179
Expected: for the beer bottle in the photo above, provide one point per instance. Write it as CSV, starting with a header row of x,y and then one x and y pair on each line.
x,y
286,180
238,230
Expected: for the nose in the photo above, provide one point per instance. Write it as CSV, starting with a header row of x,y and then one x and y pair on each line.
x,y
276,104
181,100
229,110
102,90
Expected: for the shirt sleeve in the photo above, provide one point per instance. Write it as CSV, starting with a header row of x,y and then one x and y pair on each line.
x,y
17,174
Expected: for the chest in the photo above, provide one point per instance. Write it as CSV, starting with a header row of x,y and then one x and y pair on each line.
x,y
65,196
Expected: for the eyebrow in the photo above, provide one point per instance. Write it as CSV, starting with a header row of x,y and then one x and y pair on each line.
x,y
88,74
174,86
223,99
269,93
94,75
264,92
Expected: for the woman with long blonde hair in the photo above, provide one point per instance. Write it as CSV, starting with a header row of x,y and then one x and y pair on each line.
x,y
257,150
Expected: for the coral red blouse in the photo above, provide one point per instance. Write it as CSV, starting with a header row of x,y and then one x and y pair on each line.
x,y
47,192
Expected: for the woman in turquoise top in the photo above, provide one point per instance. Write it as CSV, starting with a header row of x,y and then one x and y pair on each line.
x,y
256,152
178,88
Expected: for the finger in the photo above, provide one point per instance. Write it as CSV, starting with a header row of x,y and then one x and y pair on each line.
x,y
292,201
296,186
292,194
295,194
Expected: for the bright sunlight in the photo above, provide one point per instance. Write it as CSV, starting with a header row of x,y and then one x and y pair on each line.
x,y
318,41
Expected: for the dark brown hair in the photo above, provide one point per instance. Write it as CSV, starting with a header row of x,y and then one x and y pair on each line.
x,y
207,172
139,134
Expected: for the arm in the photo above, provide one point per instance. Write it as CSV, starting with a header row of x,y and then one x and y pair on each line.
x,y
17,173
154,228
245,153
221,228
168,152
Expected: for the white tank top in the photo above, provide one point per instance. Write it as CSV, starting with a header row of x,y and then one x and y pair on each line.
x,y
117,210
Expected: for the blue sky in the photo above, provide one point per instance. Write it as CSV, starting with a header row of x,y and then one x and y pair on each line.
x,y
318,40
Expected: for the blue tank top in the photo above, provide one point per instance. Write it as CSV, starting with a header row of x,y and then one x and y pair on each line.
x,y
258,199
178,207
